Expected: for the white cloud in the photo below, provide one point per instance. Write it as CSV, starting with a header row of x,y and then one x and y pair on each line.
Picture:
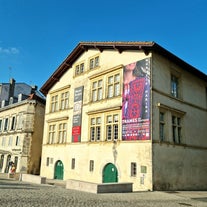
x,y
10,50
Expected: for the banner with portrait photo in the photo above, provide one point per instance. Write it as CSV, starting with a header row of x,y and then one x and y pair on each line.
x,y
136,101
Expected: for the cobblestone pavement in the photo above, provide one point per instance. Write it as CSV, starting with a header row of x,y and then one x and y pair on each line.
x,y
22,194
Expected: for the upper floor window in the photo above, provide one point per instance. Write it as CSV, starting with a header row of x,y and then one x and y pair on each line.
x,y
3,141
170,124
113,85
176,129
62,133
64,102
0,125
6,124
17,143
79,69
174,86
51,136
54,103
13,123
162,126
97,90
10,141
94,62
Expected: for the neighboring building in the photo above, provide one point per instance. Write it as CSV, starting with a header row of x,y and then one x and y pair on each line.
x,y
126,112
21,128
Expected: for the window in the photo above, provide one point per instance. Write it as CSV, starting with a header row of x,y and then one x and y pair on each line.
x,y
174,86
0,125
47,161
64,102
176,129
112,127
51,138
10,141
73,164
162,126
97,90
79,69
6,124
13,123
62,133
17,141
54,103
143,169
91,165
95,129
133,169
170,124
3,141
94,62
113,85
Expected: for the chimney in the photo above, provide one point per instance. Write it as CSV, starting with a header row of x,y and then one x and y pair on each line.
x,y
11,87
34,89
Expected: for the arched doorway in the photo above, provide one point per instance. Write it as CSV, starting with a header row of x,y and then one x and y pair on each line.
x,y
110,173
59,170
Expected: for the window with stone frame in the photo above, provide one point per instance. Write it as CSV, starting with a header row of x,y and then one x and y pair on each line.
x,y
95,128
64,100
54,103
176,129
52,134
79,69
94,62
175,86
97,90
113,85
112,127
13,122
162,126
62,133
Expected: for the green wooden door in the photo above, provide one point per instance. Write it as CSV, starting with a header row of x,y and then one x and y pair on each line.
x,y
59,170
110,174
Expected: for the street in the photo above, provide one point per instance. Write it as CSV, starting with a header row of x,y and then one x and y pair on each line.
x,y
20,194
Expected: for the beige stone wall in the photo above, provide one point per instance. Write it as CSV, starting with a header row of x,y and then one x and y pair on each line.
x,y
179,166
36,144
101,152
29,129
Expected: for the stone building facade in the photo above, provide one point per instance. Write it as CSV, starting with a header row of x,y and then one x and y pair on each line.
x,y
126,112
21,131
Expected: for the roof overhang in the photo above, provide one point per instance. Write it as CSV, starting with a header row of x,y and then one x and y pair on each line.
x,y
146,47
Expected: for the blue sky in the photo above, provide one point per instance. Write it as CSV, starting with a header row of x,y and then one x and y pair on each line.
x,y
37,35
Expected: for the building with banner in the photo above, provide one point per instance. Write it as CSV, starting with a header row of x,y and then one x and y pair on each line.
x,y
22,110
126,112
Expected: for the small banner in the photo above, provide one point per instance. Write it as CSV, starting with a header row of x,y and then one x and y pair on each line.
x,y
77,114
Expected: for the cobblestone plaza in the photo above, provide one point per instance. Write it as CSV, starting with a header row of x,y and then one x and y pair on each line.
x,y
22,194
